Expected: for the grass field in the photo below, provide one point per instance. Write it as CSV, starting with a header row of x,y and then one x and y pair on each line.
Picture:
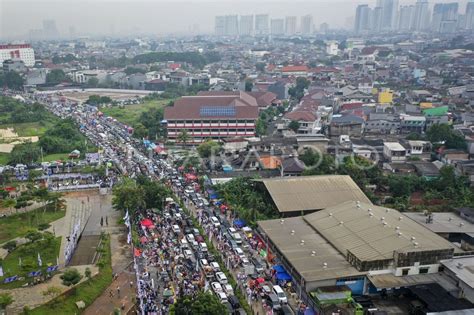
x,y
49,251
129,114
19,224
87,291
4,158
29,129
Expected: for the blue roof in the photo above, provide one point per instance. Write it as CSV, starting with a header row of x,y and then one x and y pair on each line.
x,y
217,111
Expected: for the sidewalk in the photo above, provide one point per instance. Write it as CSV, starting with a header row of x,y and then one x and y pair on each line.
x,y
107,303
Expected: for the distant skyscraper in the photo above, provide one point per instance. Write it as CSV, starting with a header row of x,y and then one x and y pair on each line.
x,y
72,32
405,17
219,26
50,30
389,14
469,18
306,24
232,25
277,26
421,16
290,25
324,27
445,16
376,19
261,24
362,19
246,25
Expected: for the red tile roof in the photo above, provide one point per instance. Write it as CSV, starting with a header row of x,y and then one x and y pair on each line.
x,y
294,69
301,116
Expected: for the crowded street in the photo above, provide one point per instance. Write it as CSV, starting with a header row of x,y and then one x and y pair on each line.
x,y
173,259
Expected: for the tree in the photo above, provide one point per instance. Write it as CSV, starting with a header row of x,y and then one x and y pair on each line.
x,y
33,236
5,299
71,277
9,246
209,148
260,127
56,76
183,136
88,273
442,133
294,125
248,85
155,193
12,80
205,303
127,195
140,131
25,153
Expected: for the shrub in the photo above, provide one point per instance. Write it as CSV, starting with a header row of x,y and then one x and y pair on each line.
x,y
71,277
9,246
43,226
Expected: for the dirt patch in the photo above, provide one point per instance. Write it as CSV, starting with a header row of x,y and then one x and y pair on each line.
x,y
11,138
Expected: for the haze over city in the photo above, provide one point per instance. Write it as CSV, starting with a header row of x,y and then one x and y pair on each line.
x,y
123,18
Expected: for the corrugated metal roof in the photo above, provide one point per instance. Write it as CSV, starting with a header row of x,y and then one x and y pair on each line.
x,y
312,192
371,232
287,236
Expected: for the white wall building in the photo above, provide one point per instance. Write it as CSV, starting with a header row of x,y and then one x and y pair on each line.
x,y
23,52
332,48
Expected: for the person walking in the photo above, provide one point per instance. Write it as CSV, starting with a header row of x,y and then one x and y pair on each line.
x,y
118,291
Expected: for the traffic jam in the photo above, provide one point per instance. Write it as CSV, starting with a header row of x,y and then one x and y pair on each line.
x,y
174,259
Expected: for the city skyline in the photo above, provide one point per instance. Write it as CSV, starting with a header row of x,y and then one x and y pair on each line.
x,y
126,18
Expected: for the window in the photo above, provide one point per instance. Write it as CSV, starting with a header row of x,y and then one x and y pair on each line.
x,y
405,271
424,270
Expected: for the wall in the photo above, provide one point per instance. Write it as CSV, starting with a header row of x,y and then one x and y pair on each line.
x,y
415,270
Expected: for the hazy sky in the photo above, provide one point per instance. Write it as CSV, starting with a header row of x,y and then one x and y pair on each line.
x,y
160,17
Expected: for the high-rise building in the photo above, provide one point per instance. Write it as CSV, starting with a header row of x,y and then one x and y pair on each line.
x,y
421,16
307,24
261,24
376,19
362,18
277,26
232,25
469,17
324,27
290,25
389,14
445,16
246,25
50,30
405,17
227,25
219,26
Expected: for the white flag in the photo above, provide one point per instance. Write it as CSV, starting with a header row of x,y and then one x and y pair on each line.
x,y
19,261
40,263
1,271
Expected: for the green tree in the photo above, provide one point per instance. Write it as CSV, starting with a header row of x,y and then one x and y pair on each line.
x,y
71,277
12,80
33,236
25,153
248,85
9,246
294,125
209,148
260,127
140,131
443,133
5,300
88,273
56,76
183,137
155,192
128,195
205,303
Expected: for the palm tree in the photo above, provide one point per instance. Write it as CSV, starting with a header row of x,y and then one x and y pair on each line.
x,y
183,136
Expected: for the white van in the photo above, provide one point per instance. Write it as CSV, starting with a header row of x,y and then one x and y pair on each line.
x,y
203,247
215,222
237,238
220,276
176,229
281,295
184,243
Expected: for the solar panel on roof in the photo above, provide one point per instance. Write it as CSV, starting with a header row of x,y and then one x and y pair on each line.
x,y
216,111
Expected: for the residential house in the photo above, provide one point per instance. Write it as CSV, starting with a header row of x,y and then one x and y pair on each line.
x,y
394,152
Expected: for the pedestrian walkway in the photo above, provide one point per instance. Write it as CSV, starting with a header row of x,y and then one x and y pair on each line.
x,y
119,294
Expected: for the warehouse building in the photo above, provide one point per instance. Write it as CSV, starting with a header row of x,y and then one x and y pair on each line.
x,y
297,195
366,247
